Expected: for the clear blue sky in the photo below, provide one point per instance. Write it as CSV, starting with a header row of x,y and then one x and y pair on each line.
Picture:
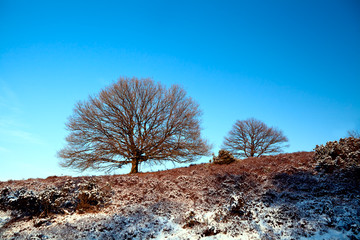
x,y
292,64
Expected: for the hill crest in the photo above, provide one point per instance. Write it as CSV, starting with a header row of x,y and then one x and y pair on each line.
x,y
279,196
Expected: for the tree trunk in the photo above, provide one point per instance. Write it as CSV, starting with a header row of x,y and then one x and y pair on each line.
x,y
134,166
252,151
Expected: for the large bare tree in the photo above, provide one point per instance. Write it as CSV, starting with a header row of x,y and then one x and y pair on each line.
x,y
252,138
130,122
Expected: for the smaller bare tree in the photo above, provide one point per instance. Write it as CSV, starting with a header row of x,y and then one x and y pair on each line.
x,y
354,133
252,138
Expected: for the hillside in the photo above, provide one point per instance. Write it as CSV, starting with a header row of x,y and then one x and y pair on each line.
x,y
272,197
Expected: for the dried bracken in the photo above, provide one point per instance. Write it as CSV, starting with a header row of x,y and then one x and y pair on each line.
x,y
271,197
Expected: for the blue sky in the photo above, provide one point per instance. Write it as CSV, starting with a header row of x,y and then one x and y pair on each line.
x,y
294,65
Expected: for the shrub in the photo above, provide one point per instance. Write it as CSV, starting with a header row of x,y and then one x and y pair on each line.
x,y
342,154
89,197
224,157
68,198
191,220
21,200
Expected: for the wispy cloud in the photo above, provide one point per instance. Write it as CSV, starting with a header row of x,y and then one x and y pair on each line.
x,y
8,121
21,135
12,127
9,102
4,150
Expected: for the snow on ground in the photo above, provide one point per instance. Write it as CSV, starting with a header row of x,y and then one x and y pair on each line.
x,y
4,218
278,197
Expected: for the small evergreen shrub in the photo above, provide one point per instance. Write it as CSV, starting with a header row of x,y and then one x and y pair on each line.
x,y
224,157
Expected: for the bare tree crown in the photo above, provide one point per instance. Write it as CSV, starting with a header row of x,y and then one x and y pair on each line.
x,y
133,121
252,138
354,133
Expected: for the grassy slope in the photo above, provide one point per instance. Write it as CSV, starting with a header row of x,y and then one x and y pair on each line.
x,y
270,197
